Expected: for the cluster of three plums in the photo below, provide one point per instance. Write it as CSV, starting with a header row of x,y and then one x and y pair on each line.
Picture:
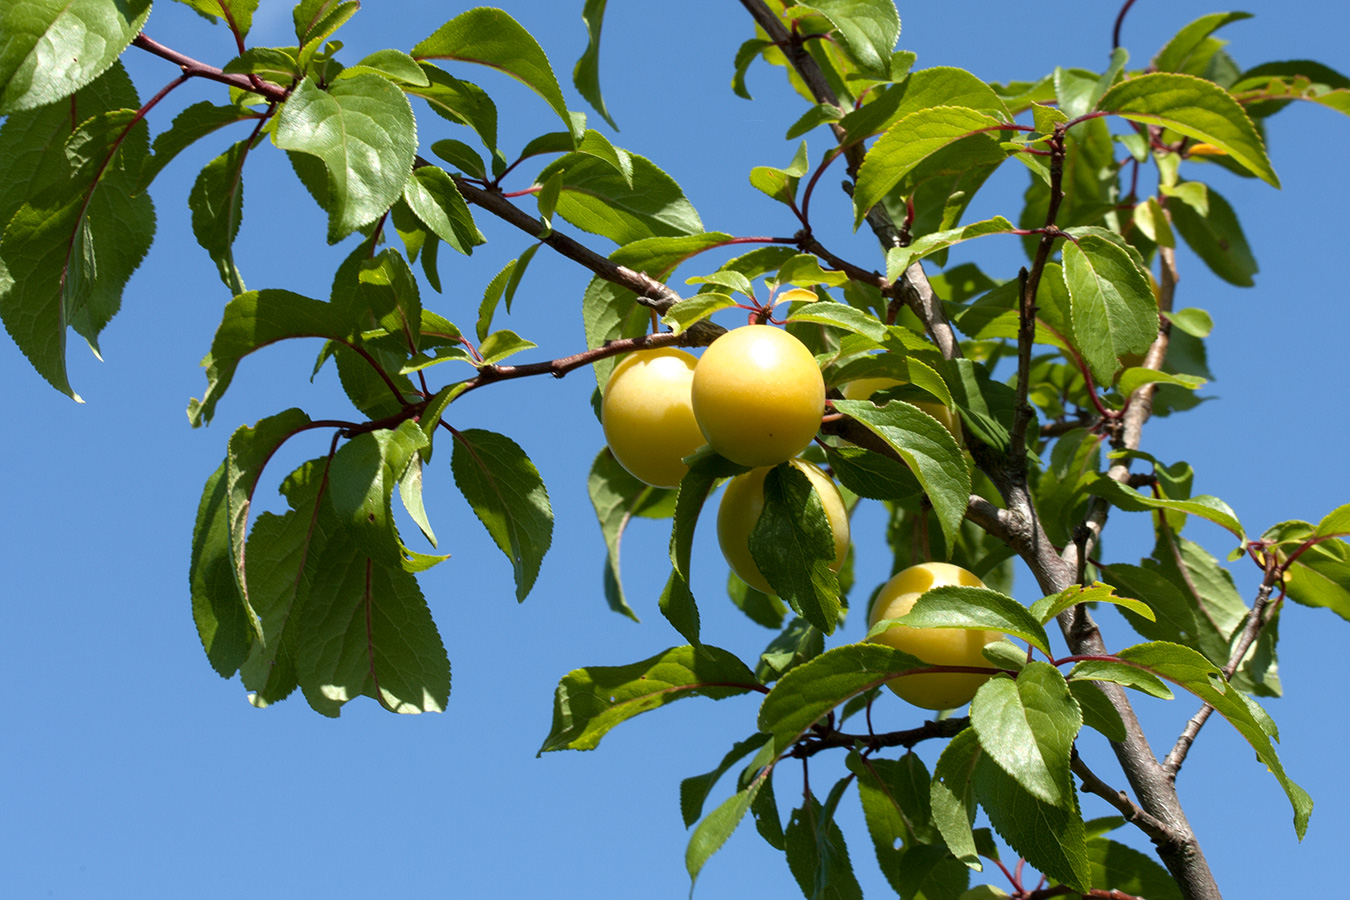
x,y
756,396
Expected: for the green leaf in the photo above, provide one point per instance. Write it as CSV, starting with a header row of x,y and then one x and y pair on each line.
x,y
1127,498
461,156
365,629
1052,605
189,126
1028,727
798,643
492,38
1124,869
793,544
1195,322
249,450
706,468
939,86
617,496
276,64
760,608
434,199
1334,523
597,198
1133,379
695,309
254,320
807,693
76,230
1122,674
316,20
952,796
1186,667
52,49
361,483
1098,712
898,259
1150,219
1196,108
1320,576
841,315
1173,56
714,830
1114,311
501,344
218,609
458,101
781,184
217,203
362,128
1051,838
1217,238
503,287
929,450
508,496
694,790
238,14
817,854
868,29
918,138
586,73
678,605
970,607
395,65
871,475
591,701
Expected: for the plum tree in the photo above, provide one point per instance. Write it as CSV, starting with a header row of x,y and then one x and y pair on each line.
x,y
1047,372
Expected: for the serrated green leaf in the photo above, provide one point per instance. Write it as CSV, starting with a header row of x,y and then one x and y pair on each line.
x,y
1217,238
694,790
917,138
938,86
363,131
1098,713
362,477
817,854
1052,605
1320,576
1114,311
792,543
189,126
807,693
868,29
929,450
843,316
431,195
461,156
952,796
598,198
1028,726
1196,108
217,204
591,701
501,344
1186,667
1334,523
970,607
1204,506
366,629
1051,838
1133,379
77,231
1120,673
798,643
1150,219
1195,322
251,321
695,309
395,65
492,38
503,287
458,101
898,259
1174,55
52,49
804,270
617,496
586,73
276,64
1124,869
218,610
714,830
871,475
508,496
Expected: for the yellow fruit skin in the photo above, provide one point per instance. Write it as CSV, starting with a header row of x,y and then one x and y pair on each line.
x,y
648,417
758,395
863,388
742,503
939,646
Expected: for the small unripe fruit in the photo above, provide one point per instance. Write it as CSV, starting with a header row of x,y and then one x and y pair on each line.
x,y
648,416
758,395
742,503
938,646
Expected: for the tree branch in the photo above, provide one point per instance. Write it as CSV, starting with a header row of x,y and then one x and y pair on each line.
x,y
196,69
829,739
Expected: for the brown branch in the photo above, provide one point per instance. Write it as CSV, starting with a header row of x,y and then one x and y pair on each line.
x,y
1158,830
193,68
829,739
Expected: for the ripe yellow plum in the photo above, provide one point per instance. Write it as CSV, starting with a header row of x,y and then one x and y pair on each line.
x,y
648,416
939,646
758,395
742,503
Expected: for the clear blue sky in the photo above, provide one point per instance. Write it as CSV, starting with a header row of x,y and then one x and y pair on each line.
x,y
129,769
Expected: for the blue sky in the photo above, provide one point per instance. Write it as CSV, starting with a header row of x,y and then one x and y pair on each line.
x,y
131,770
